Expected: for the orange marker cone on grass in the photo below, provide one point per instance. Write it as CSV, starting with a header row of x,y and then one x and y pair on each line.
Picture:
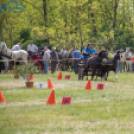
x,y
2,99
31,77
51,99
59,76
88,86
50,84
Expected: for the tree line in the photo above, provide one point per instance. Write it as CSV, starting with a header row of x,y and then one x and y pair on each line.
x,y
108,24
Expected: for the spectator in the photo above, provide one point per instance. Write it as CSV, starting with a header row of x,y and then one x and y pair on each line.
x,y
122,60
132,60
76,59
63,49
49,47
120,63
46,59
54,60
16,47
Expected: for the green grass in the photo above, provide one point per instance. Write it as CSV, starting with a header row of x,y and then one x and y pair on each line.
x,y
93,111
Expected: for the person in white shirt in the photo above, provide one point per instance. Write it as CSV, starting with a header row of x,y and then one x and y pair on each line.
x,y
16,47
32,48
46,59
63,49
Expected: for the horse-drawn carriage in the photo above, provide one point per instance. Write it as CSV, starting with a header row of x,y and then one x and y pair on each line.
x,y
82,66
37,59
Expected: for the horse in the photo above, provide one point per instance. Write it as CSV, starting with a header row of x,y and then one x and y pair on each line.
x,y
110,65
20,54
94,63
15,55
65,58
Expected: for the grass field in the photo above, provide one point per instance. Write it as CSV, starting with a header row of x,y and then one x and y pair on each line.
x,y
108,111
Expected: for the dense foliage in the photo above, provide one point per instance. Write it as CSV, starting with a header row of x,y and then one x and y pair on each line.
x,y
106,23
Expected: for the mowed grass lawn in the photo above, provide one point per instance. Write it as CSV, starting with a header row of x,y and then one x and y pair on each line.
x,y
108,111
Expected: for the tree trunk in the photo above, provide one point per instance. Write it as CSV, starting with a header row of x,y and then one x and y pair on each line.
x,y
45,11
115,15
1,31
94,27
11,42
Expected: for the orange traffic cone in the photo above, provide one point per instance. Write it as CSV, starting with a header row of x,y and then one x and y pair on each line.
x,y
50,84
31,77
2,99
59,76
51,99
88,86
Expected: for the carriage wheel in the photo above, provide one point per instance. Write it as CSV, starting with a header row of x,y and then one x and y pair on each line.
x,y
40,67
60,67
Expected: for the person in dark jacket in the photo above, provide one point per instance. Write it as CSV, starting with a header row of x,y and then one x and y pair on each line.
x,y
76,59
54,60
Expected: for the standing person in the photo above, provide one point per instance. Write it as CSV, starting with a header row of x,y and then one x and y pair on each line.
x,y
32,48
54,60
46,59
122,60
63,49
76,59
49,47
128,56
16,47
132,60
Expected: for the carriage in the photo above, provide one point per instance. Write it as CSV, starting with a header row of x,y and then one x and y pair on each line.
x,y
80,70
37,59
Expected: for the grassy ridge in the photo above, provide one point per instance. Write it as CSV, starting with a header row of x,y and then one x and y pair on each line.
x,y
107,111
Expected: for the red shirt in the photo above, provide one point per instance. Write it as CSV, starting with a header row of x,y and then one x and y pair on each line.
x,y
132,59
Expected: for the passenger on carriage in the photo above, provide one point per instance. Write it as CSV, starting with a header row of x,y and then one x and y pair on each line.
x,y
16,47
87,52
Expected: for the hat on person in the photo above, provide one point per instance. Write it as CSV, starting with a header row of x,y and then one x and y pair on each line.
x,y
54,48
89,44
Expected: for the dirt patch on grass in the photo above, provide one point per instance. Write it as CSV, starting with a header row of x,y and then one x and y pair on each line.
x,y
12,84
16,104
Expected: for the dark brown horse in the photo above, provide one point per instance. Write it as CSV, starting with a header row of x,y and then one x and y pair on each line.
x,y
110,65
95,64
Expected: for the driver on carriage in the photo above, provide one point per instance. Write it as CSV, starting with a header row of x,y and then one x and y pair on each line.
x,y
31,48
88,52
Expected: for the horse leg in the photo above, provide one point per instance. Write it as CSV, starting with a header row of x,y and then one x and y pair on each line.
x,y
116,75
104,77
97,74
93,74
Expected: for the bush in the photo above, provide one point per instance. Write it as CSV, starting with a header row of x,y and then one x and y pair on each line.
x,y
26,70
